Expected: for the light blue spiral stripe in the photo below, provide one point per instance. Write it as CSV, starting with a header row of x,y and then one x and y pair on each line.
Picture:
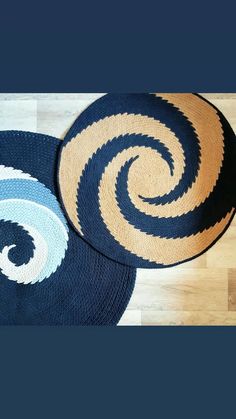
x,y
30,190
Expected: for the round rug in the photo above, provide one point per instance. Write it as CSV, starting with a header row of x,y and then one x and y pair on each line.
x,y
149,179
48,275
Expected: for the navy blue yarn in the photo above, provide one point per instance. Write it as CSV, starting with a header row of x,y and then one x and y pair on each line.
x,y
87,288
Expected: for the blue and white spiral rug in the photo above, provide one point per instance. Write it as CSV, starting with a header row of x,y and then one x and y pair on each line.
x,y
48,275
149,179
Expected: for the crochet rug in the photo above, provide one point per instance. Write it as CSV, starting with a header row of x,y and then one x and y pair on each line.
x,y
48,275
149,179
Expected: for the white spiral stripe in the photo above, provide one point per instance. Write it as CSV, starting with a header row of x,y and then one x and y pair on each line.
x,y
26,273
11,173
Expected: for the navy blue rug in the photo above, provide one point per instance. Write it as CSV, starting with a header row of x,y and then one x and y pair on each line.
x,y
149,179
48,275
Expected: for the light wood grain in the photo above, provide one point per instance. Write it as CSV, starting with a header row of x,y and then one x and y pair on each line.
x,y
223,253
57,116
188,318
199,292
18,115
181,289
232,290
131,318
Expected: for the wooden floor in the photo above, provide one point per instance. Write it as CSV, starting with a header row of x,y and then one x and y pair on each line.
x,y
200,292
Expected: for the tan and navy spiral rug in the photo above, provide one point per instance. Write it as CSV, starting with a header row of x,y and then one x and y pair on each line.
x,y
149,179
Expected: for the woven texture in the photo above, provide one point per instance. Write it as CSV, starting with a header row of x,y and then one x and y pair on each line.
x,y
149,179
48,275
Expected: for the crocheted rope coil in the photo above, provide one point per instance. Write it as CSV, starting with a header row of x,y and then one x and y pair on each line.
x,y
149,179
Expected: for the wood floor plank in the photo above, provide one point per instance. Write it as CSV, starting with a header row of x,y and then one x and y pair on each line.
x,y
15,115
50,96
232,289
56,113
181,289
131,318
189,318
179,273
228,107
55,117
223,253
213,96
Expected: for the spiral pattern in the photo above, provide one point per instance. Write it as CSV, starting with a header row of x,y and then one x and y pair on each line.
x,y
31,223
148,179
